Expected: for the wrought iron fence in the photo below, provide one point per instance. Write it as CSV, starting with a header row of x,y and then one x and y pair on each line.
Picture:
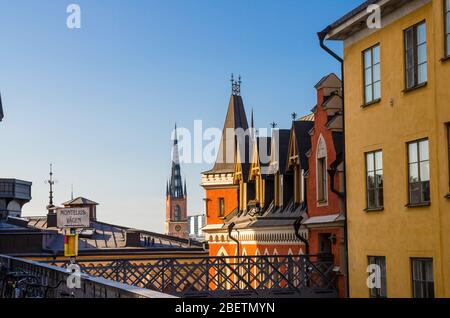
x,y
245,276
20,278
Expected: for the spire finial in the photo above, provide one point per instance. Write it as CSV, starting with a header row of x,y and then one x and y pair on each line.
x,y
1,108
294,116
252,121
236,85
175,140
71,193
273,125
51,183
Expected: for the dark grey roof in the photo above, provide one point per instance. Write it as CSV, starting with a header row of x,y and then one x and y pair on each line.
x,y
338,141
280,140
246,158
236,118
265,152
80,201
1,108
105,236
349,15
271,217
386,8
303,139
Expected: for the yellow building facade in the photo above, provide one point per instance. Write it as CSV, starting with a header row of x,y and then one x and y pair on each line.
x,y
397,110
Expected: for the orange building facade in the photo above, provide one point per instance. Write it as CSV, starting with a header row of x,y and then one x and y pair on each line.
x,y
281,195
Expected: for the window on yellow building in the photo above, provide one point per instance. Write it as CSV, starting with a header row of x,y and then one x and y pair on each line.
x,y
416,55
447,27
372,76
374,180
221,207
379,291
419,172
422,277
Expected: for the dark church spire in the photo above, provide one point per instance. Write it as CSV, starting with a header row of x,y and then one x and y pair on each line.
x,y
1,108
175,186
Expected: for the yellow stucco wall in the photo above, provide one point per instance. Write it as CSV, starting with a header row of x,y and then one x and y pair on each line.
x,y
399,233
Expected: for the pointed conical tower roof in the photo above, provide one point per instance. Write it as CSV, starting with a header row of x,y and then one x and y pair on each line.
x,y
175,188
236,118
1,108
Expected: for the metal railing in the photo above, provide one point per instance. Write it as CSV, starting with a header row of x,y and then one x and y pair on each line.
x,y
309,276
21,278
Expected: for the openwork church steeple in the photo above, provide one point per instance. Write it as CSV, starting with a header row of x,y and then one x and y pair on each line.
x,y
175,185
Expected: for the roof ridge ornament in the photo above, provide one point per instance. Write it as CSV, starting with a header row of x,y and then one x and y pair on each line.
x,y
236,85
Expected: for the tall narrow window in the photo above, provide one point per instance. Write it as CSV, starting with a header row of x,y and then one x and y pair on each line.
x,y
374,177
422,278
221,207
177,214
379,291
321,179
447,27
419,172
372,74
321,171
416,55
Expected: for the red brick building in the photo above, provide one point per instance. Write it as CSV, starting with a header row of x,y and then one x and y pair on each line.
x,y
290,204
326,215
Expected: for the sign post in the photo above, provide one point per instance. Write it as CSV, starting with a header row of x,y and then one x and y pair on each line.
x,y
71,219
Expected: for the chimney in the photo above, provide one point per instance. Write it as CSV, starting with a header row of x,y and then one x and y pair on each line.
x,y
133,238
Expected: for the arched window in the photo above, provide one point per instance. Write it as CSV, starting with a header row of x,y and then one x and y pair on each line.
x,y
177,214
321,166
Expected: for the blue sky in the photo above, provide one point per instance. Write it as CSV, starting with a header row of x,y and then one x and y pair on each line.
x,y
100,102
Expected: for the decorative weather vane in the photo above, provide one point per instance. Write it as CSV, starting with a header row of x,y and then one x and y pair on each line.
x,y
273,125
236,85
294,116
51,183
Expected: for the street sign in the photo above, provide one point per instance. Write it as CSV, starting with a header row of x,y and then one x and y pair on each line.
x,y
72,218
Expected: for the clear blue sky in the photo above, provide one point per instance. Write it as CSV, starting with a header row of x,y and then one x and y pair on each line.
x,y
100,102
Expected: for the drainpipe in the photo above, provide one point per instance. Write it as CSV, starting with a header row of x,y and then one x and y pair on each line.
x,y
230,229
332,173
297,225
322,35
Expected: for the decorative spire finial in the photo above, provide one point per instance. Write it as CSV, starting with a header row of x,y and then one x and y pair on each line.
x,y
273,125
236,85
51,183
294,116
71,193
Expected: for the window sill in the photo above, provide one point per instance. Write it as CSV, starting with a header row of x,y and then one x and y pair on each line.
x,y
374,209
418,205
445,59
407,90
376,101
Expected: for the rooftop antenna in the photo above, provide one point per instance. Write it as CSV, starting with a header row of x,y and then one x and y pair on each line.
x,y
51,182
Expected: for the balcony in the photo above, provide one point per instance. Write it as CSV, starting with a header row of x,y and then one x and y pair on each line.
x,y
21,278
